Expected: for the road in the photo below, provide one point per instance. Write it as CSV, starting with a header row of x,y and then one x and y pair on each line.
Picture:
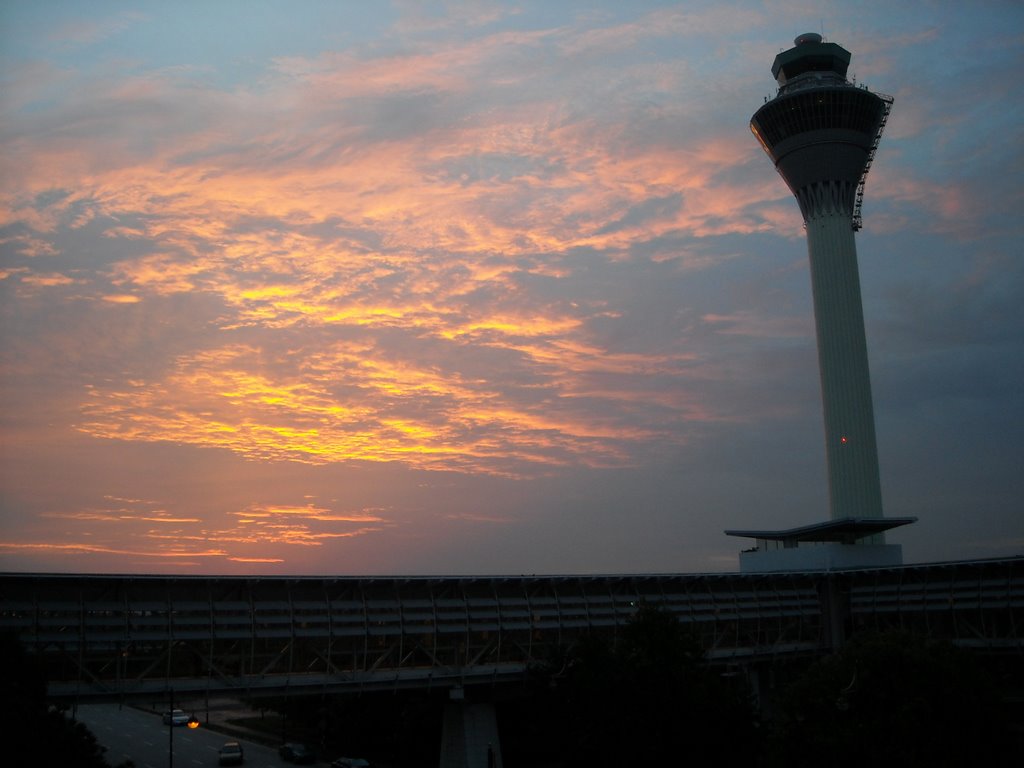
x,y
132,734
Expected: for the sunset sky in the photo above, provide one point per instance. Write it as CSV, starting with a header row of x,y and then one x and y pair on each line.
x,y
485,287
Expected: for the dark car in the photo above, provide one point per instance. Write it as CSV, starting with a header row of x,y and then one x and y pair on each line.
x,y
231,754
296,753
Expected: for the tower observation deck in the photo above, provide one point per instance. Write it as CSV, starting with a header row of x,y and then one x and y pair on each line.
x,y
821,131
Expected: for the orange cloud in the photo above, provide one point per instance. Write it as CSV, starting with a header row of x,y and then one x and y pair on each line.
x,y
48,280
258,527
308,511
81,548
368,230
215,399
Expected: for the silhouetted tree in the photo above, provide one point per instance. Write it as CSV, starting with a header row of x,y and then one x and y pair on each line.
x,y
396,730
648,699
31,731
891,699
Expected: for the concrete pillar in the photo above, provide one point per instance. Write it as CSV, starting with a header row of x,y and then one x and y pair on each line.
x,y
835,611
470,736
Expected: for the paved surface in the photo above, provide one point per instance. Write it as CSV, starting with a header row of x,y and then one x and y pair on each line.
x,y
139,735
222,716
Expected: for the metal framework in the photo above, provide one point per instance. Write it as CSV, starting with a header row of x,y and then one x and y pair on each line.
x,y
858,219
104,636
974,604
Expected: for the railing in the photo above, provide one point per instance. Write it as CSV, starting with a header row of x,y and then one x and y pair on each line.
x,y
858,220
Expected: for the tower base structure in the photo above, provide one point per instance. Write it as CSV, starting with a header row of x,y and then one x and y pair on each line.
x,y
832,545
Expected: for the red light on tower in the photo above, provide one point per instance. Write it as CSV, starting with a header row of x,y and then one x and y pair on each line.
x,y
843,439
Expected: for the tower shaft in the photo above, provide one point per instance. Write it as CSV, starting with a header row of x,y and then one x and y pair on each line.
x,y
854,488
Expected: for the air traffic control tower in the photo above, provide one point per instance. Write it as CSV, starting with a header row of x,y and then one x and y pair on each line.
x,y
821,131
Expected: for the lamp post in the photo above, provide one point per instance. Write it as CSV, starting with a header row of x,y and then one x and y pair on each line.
x,y
170,730
191,723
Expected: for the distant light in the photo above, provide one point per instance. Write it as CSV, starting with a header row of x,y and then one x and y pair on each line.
x,y
842,439
193,722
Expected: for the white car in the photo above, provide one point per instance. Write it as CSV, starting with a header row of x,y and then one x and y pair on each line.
x,y
175,717
231,754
